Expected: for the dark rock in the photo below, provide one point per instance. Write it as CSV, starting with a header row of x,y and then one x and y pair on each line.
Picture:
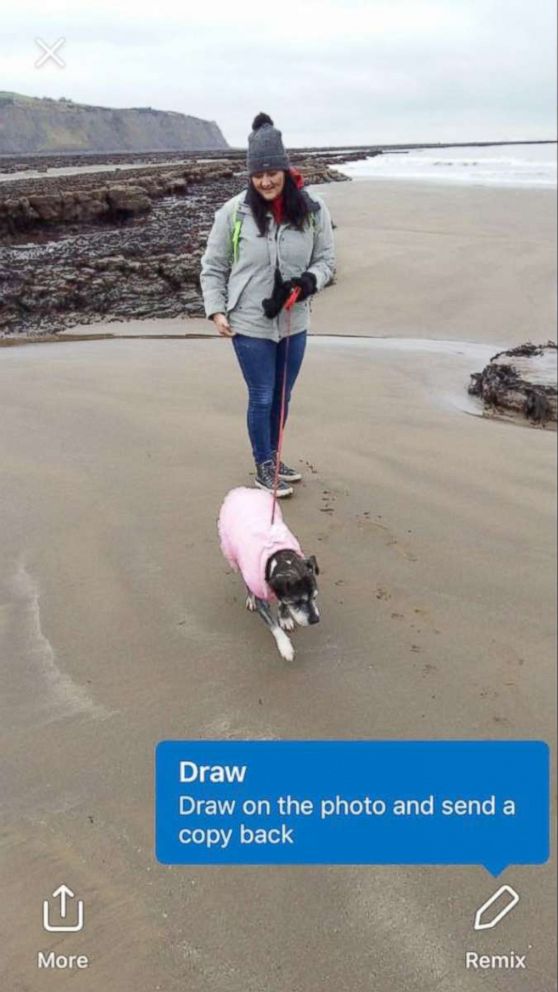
x,y
128,200
524,388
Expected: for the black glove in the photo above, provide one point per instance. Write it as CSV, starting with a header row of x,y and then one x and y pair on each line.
x,y
281,292
307,283
282,289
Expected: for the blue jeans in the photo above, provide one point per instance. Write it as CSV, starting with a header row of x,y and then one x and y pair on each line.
x,y
262,363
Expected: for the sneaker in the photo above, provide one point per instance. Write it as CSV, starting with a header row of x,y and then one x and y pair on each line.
x,y
288,474
265,478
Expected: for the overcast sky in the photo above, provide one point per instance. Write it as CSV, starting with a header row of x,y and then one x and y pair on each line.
x,y
328,71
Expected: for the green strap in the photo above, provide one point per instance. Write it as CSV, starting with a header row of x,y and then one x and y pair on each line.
x,y
237,227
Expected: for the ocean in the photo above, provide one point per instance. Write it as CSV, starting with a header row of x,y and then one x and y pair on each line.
x,y
494,165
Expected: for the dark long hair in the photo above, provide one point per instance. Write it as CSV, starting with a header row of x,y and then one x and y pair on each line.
x,y
295,205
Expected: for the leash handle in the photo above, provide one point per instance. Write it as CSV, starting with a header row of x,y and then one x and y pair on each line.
x,y
292,299
288,307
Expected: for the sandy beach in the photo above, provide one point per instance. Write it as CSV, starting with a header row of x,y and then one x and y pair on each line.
x,y
121,625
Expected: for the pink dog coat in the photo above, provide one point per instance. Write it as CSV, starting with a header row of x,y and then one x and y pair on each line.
x,y
248,538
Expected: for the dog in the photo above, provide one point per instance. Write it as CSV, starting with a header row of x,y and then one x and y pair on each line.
x,y
271,562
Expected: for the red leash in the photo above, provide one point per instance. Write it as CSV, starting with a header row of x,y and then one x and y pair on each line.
x,y
288,307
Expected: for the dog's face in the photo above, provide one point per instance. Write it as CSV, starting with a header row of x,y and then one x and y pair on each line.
x,y
293,580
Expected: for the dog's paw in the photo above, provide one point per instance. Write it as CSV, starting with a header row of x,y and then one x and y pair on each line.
x,y
286,651
251,603
286,622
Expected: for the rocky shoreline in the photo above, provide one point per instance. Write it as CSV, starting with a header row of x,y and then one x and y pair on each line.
x,y
89,246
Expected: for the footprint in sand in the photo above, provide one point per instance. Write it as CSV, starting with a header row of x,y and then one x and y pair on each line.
x,y
382,593
364,522
328,500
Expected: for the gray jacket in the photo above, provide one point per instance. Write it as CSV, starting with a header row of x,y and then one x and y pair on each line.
x,y
237,288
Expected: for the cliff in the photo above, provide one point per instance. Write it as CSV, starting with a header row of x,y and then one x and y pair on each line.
x,y
34,125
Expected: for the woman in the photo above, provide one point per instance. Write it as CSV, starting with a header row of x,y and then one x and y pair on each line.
x,y
264,242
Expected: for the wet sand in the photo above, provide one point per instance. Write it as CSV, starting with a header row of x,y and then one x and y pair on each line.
x,y
418,260
121,625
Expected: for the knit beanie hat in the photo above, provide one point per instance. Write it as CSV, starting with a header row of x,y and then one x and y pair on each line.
x,y
266,152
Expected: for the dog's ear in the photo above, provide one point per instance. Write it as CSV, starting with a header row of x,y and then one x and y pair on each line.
x,y
312,564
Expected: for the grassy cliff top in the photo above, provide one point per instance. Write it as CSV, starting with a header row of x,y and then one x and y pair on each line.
x,y
7,96
18,97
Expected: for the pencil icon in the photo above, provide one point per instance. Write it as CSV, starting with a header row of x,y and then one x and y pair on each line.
x,y
494,909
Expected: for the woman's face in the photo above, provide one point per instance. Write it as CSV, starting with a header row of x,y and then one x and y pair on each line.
x,y
269,184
